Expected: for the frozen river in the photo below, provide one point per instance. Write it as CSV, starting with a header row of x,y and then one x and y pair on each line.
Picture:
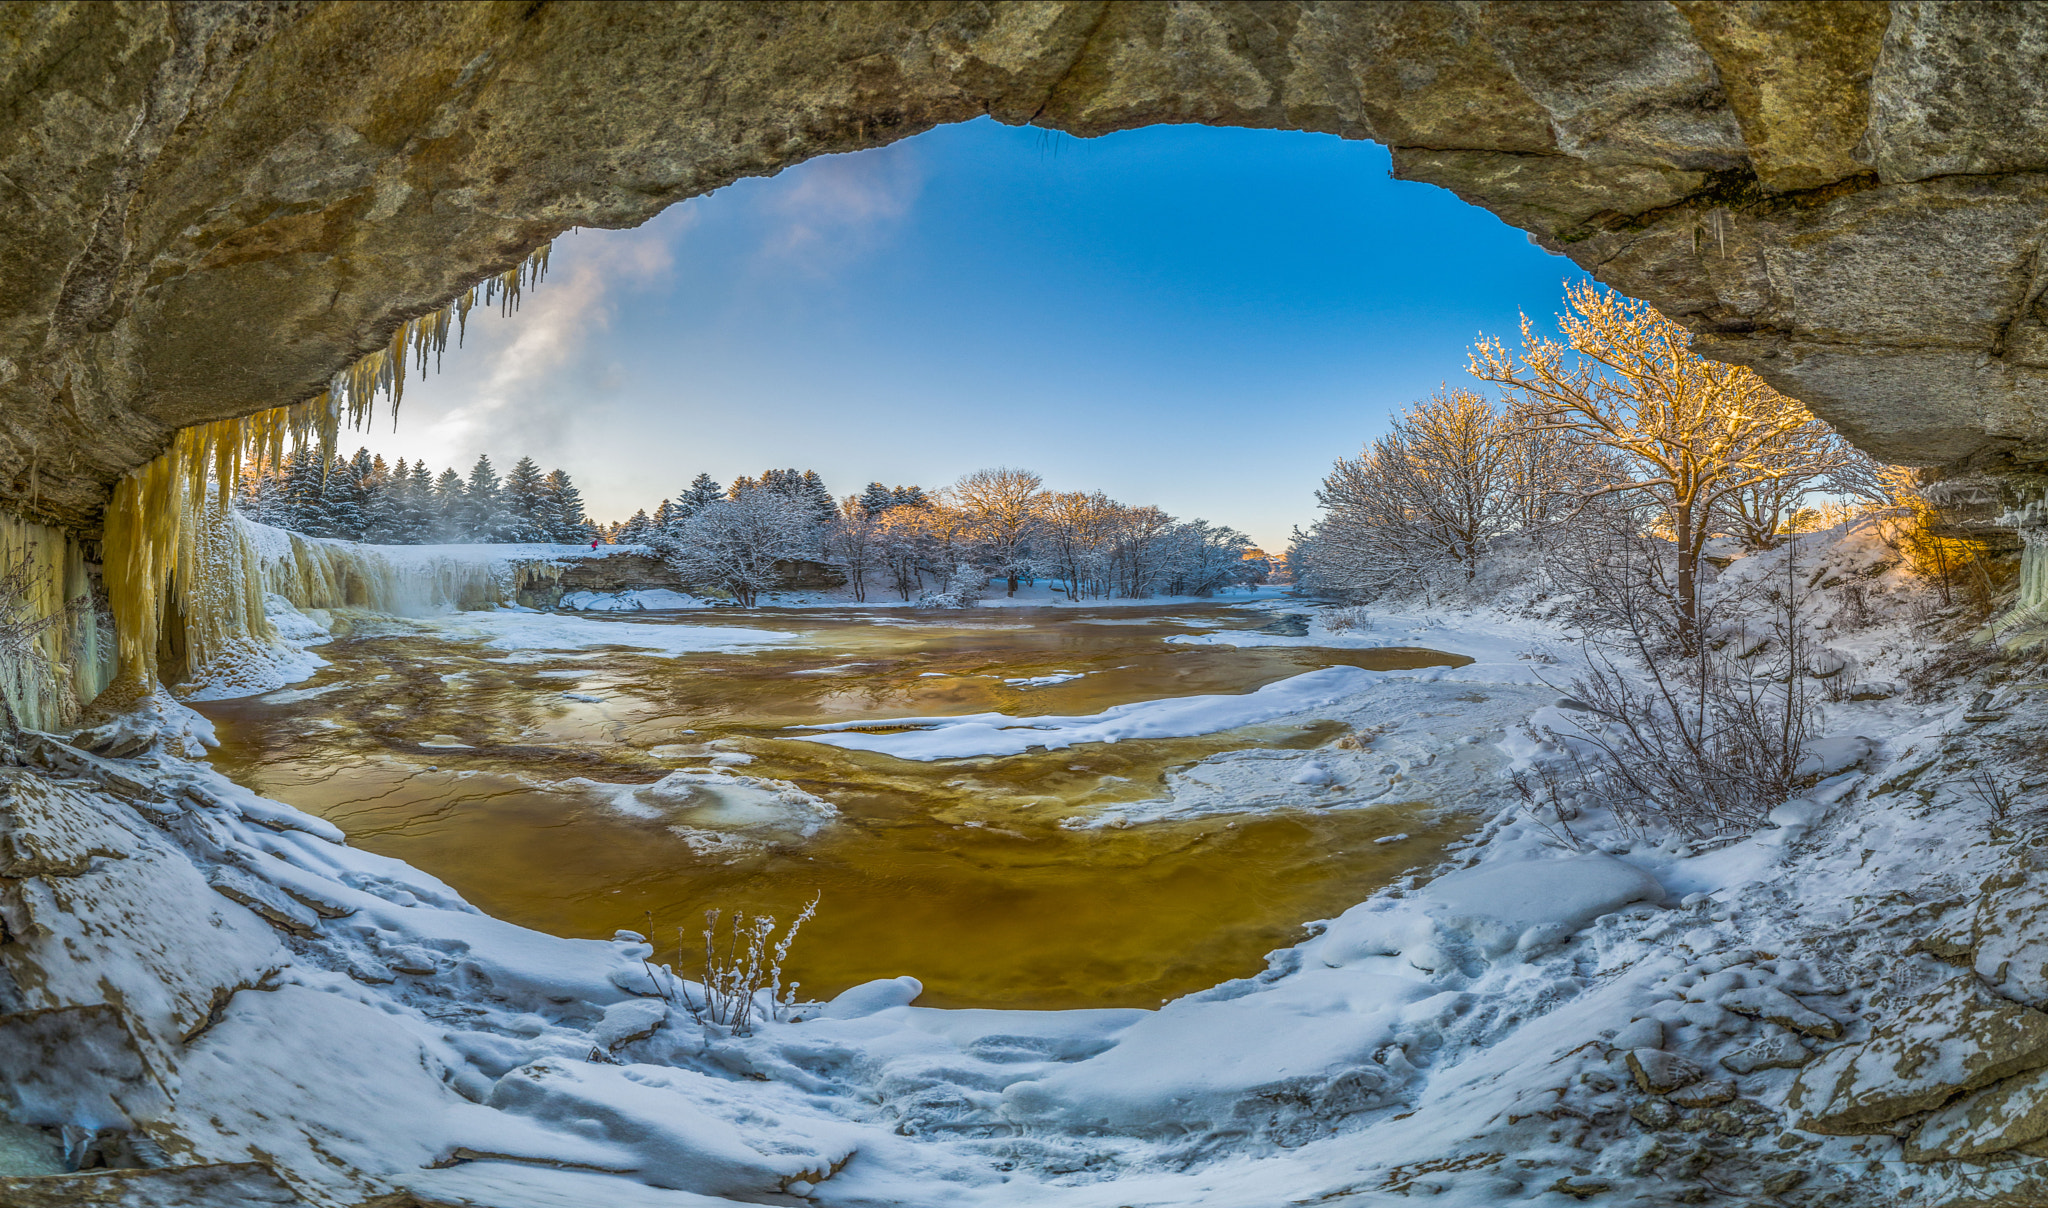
x,y
533,767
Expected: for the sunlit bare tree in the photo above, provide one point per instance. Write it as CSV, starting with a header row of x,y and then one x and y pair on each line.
x,y
1690,431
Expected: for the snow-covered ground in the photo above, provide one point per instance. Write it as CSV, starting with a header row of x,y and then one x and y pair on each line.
x,y
1558,1013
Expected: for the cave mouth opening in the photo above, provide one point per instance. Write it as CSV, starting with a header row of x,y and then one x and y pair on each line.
x,y
1107,310
974,295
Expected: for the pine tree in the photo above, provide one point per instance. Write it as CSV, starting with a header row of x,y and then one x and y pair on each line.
x,y
300,506
260,495
876,499
484,509
418,516
637,530
340,512
824,509
524,487
740,486
450,508
565,502
912,496
664,516
703,490
385,512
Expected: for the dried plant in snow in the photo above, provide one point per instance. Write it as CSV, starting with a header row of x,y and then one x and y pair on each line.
x,y
1986,786
1344,620
743,961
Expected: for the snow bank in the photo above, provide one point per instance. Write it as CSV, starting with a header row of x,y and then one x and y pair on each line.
x,y
1180,717
1536,903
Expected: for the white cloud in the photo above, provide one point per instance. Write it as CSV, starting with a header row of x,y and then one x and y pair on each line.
x,y
522,382
839,207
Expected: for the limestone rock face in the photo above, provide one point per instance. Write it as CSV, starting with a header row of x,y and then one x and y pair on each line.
x,y
2003,933
208,208
245,1184
1956,1038
2003,1116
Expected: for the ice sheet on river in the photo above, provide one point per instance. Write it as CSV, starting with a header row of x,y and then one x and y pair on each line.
x,y
1178,717
516,629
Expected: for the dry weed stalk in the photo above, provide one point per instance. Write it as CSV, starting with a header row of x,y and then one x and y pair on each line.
x,y
751,962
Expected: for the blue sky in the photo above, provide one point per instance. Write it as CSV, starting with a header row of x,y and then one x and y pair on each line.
x,y
1194,317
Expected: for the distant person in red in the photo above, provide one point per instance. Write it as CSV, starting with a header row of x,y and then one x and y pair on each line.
x,y
593,543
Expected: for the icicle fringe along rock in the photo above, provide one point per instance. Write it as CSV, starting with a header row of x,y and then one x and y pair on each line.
x,y
170,541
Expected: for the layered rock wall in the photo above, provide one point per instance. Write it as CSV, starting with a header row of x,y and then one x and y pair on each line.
x,y
208,208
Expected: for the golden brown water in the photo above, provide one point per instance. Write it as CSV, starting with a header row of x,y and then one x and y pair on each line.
x,y
958,872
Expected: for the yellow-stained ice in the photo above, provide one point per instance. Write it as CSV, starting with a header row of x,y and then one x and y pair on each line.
x,y
183,582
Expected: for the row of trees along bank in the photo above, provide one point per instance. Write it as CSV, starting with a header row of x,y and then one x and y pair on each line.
x,y
1616,432
360,498
942,547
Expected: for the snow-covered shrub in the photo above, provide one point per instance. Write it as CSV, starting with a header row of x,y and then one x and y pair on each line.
x,y
1344,620
962,588
734,544
1708,736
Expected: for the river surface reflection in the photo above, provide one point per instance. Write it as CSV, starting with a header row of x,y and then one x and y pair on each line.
x,y
490,769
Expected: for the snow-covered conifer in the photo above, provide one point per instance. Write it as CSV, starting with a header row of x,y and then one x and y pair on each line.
x,y
637,529
524,487
484,506
703,489
565,502
450,521
303,476
385,513
417,513
811,488
876,499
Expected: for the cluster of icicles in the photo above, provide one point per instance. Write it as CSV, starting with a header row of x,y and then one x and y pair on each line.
x,y
182,577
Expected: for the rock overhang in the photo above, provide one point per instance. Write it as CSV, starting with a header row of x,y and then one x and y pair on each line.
x,y
210,208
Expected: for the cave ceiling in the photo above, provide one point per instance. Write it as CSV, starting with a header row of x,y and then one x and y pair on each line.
x,y
207,209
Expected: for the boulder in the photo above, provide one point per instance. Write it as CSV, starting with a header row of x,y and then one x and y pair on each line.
x,y
1955,1038
78,1066
2009,937
1658,1072
2002,1116
1775,1006
1778,1052
212,1185
1704,1094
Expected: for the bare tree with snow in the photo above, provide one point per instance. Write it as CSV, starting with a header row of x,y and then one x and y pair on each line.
x,y
1691,431
734,544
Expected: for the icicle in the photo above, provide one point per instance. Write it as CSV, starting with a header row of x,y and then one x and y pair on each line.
x,y
183,579
68,665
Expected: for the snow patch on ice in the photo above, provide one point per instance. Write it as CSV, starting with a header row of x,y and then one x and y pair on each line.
x,y
652,599
977,734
